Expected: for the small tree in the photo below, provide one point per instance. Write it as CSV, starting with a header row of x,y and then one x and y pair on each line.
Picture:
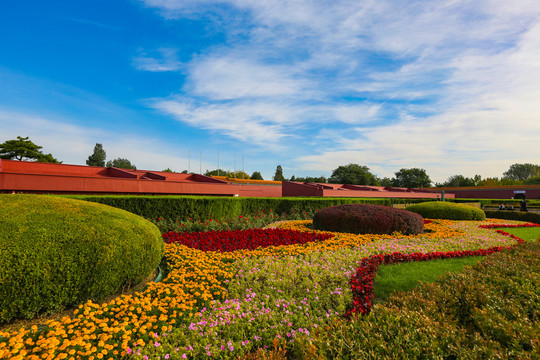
x,y
256,176
278,176
353,174
121,163
98,156
412,178
22,148
522,171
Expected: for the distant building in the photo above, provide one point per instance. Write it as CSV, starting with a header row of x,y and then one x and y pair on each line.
x,y
291,188
494,192
40,178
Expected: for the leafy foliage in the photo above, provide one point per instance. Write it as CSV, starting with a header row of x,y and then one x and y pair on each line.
x,y
368,219
320,179
412,178
238,174
522,171
121,163
256,176
278,176
60,252
24,149
98,156
353,174
447,210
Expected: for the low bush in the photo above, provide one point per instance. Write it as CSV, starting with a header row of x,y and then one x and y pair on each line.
x,y
514,215
447,210
368,219
57,252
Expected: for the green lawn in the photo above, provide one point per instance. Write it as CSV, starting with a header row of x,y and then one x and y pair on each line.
x,y
406,276
527,234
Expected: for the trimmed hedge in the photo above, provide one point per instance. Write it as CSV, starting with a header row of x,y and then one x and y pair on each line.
x,y
489,311
514,215
205,207
57,253
368,219
447,210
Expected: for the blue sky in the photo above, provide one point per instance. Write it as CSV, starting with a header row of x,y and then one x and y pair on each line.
x,y
452,87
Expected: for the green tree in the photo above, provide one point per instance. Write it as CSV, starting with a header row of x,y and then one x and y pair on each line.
x,y
412,178
24,149
353,174
121,163
459,181
256,176
534,180
278,176
98,156
385,181
312,179
167,170
522,171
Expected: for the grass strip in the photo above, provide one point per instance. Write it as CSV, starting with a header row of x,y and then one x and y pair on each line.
x,y
527,234
406,276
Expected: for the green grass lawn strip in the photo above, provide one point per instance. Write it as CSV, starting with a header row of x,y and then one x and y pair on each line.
x,y
406,276
527,234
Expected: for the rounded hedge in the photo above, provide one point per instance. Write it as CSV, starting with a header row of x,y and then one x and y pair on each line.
x,y
368,219
447,210
57,253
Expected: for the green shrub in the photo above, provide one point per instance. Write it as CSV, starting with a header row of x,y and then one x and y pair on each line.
x,y
173,207
57,252
447,210
368,219
514,215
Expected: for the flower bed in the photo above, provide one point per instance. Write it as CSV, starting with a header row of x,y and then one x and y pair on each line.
x,y
264,293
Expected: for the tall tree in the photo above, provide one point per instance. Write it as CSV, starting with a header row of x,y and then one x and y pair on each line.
x,y
353,174
412,178
24,149
256,176
522,171
313,179
278,176
121,163
98,156
458,181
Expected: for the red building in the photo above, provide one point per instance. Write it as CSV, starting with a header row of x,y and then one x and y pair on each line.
x,y
35,177
291,188
495,192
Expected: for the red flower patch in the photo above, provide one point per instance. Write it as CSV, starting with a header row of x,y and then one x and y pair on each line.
x,y
227,240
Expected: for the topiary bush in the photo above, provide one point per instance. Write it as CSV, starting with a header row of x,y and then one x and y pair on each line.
x,y
57,252
368,219
447,210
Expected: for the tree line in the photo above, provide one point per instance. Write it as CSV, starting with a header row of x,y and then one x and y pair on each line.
x,y
355,174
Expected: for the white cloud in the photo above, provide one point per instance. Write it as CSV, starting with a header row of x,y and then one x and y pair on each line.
x,y
166,60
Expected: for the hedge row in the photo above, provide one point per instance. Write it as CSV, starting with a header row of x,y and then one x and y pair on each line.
x,y
514,215
205,207
490,311
447,210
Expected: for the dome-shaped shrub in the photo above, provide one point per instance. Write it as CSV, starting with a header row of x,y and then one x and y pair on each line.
x,y
447,210
57,252
368,219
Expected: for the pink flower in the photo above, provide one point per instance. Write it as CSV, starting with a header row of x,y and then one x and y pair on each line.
x,y
184,356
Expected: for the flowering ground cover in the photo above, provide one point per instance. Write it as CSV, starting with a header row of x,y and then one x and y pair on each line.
x,y
228,304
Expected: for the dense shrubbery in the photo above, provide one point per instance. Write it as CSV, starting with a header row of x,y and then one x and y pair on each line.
x,y
447,210
217,208
514,215
57,252
368,219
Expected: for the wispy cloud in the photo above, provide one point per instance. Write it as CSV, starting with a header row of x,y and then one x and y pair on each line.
x,y
163,59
